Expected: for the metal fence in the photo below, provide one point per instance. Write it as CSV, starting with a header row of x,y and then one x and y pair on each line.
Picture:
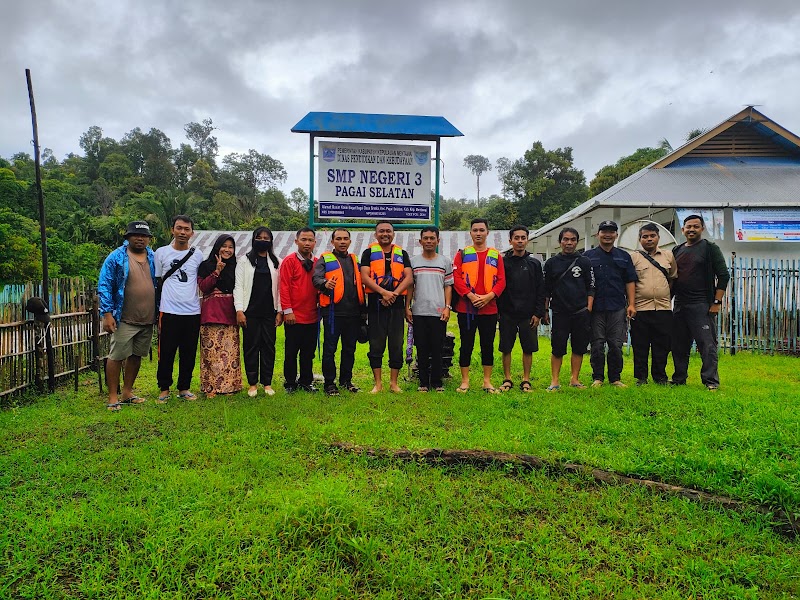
x,y
78,342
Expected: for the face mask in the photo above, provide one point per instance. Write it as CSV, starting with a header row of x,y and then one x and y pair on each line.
x,y
262,245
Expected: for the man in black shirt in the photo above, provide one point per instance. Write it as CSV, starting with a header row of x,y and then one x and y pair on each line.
x,y
520,307
569,290
387,275
702,279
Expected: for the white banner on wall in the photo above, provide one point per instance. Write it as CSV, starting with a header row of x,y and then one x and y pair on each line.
x,y
714,219
374,181
771,225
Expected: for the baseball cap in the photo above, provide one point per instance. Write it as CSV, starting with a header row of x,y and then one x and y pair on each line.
x,y
138,228
607,225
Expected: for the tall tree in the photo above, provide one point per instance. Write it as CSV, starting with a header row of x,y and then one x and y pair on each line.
x,y
503,166
478,165
205,144
258,172
298,200
545,184
623,168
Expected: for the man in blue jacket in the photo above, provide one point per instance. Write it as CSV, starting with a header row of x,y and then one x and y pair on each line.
x,y
614,304
127,291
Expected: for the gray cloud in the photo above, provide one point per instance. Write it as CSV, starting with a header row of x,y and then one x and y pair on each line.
x,y
603,78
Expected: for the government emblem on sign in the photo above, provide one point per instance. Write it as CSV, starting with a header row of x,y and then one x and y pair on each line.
x,y
329,154
421,157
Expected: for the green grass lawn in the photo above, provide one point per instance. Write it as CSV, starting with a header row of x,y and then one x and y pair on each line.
x,y
242,497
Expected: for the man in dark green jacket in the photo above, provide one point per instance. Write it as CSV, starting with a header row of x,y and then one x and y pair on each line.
x,y
702,279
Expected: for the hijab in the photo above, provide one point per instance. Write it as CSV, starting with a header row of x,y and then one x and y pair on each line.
x,y
227,277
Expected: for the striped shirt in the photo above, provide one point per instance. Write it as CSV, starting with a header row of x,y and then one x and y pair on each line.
x,y
430,278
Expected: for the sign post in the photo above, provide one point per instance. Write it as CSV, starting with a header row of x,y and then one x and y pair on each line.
x,y
368,180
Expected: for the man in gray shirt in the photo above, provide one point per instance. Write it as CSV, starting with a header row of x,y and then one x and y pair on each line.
x,y
428,308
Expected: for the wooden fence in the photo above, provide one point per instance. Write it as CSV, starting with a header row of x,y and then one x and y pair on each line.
x,y
759,314
78,342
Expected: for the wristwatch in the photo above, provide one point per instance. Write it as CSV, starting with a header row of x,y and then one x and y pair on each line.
x,y
448,307
716,301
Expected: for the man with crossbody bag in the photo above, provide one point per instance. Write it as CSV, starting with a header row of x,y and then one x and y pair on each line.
x,y
179,309
651,328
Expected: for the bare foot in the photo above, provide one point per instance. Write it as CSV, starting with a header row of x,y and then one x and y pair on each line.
x,y
395,389
377,389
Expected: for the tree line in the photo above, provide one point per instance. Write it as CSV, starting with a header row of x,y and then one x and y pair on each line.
x,y
90,198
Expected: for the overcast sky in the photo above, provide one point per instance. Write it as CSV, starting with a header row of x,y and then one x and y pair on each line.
x,y
602,77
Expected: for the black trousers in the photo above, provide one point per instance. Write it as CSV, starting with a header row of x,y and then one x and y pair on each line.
x,y
177,334
693,322
651,330
300,339
386,326
346,329
609,328
258,342
486,327
429,335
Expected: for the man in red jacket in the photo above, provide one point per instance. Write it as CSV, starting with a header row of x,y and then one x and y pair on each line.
x,y
300,316
479,278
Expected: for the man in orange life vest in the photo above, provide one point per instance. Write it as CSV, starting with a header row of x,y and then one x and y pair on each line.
x,y
479,278
386,273
341,300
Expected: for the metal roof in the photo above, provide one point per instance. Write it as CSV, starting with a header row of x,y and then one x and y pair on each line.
x,y
375,125
450,241
701,183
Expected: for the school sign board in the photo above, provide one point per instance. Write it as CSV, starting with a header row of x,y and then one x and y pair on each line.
x,y
374,181
758,225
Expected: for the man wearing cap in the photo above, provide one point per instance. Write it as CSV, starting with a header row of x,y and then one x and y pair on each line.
x,y
614,303
127,292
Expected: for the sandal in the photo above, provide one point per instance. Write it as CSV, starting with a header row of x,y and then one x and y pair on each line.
x,y
163,399
114,406
133,400
351,388
578,385
440,389
507,386
331,390
525,386
553,388
423,389
491,390
462,390
187,396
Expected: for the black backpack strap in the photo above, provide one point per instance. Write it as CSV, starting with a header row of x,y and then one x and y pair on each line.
x,y
655,264
178,265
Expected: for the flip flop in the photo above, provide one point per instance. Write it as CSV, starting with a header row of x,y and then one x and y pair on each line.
x,y
439,389
553,388
506,386
187,396
578,385
163,399
114,406
133,400
491,390
422,388
462,390
525,386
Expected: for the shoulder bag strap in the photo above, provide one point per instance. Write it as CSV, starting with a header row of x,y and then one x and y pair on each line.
x,y
655,264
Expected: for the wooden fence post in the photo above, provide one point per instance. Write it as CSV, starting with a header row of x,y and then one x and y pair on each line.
x,y
98,365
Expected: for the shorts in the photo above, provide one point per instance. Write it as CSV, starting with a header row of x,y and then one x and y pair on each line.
x,y
576,327
130,340
509,328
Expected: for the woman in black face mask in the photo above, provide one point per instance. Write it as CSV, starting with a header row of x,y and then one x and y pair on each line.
x,y
258,310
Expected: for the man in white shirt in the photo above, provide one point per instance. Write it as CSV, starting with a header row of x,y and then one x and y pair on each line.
x,y
179,316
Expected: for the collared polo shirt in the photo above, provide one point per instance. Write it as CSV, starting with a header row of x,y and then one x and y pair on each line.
x,y
652,289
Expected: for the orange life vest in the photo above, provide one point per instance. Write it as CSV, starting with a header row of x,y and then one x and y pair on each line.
x,y
470,267
377,267
333,268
